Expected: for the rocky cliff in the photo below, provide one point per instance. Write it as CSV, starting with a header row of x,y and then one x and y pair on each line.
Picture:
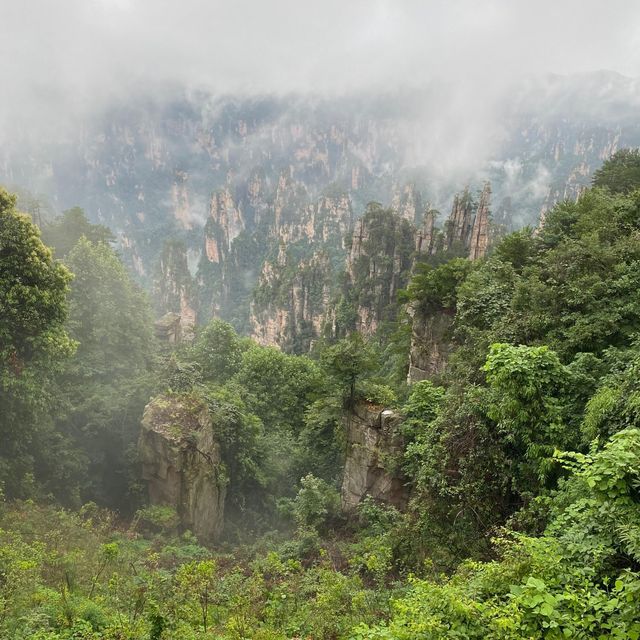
x,y
374,445
292,304
430,344
468,232
233,177
181,463
378,265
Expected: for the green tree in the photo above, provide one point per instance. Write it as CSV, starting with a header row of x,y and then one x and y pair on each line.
x,y
346,362
108,382
33,344
64,232
620,173
529,387
278,387
218,351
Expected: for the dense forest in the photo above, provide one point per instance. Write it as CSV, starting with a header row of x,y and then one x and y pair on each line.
x,y
506,501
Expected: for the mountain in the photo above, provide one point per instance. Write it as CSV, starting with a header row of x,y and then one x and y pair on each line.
x,y
246,207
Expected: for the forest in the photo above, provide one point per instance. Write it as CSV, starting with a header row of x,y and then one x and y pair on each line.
x,y
515,512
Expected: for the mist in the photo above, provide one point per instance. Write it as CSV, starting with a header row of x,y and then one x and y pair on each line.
x,y
74,56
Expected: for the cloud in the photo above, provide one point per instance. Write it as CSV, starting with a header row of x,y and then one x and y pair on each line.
x,y
86,47
64,60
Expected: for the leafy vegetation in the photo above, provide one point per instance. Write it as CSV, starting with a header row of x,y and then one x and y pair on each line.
x,y
521,456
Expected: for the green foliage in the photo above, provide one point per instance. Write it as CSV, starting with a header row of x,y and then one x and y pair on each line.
x,y
620,173
278,387
85,579
523,456
315,503
244,450
218,351
616,404
346,361
528,385
573,582
108,382
517,248
33,344
434,288
63,233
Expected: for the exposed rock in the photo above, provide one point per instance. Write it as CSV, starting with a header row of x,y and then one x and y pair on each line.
x,y
225,223
332,218
378,266
479,240
426,235
167,328
173,286
180,200
181,463
460,221
373,445
430,345
290,198
407,203
292,301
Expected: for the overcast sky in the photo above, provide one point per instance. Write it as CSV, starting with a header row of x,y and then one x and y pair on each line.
x,y
60,59
95,47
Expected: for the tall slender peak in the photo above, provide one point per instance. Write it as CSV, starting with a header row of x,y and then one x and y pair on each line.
x,y
460,220
425,236
290,199
224,210
479,240
407,202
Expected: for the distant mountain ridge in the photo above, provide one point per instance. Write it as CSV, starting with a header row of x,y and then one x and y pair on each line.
x,y
233,180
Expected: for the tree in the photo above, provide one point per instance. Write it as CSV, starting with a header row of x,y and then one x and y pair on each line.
x,y
63,233
108,382
346,362
620,173
529,387
33,345
278,387
218,351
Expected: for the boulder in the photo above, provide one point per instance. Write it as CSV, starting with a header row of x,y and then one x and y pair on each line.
x,y
181,463
374,444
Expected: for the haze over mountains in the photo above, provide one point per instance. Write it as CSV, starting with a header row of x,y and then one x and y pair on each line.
x,y
148,166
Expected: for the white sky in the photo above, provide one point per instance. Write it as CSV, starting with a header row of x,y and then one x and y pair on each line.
x,y
97,46
62,58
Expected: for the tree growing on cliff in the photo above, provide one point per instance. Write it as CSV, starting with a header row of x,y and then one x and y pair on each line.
x,y
347,361
620,173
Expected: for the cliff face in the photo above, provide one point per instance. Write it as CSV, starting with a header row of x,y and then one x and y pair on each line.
x,y
292,303
304,292
181,463
373,443
430,344
467,233
148,171
378,266
479,238
173,286
407,203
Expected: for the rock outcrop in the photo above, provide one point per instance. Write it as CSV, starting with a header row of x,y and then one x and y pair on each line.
x,y
292,301
173,287
181,463
430,344
378,266
374,445
479,238
407,203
